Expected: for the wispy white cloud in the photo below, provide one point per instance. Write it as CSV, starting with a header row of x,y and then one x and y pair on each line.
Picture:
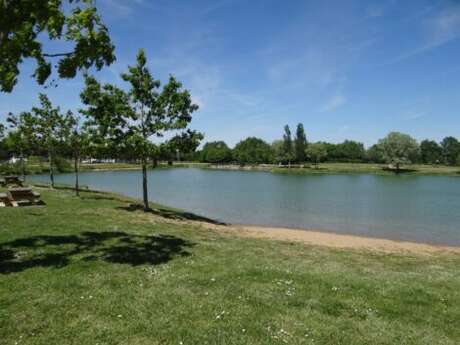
x,y
333,103
438,30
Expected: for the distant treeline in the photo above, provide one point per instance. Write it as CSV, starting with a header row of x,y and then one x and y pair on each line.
x,y
396,148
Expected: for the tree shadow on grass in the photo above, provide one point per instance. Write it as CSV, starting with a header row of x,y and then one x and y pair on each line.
x,y
113,247
171,214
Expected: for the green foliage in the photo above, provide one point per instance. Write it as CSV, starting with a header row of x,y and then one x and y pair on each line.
x,y
216,152
399,148
252,151
450,150
317,152
26,24
300,144
430,152
375,154
185,143
288,148
127,120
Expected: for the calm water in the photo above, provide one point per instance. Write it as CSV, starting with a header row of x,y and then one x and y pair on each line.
x,y
421,208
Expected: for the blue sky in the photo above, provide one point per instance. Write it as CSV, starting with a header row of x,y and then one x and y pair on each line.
x,y
346,69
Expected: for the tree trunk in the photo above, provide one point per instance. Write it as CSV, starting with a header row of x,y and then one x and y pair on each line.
x,y
77,185
397,167
50,157
144,185
23,167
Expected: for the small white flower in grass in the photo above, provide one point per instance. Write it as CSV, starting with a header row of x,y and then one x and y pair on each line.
x,y
244,330
213,279
335,288
181,343
90,297
119,315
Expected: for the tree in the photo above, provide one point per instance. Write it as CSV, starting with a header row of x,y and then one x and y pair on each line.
x,y
399,148
20,139
253,151
185,143
375,154
49,130
450,150
2,131
430,152
216,152
351,150
300,144
131,118
316,152
278,151
25,25
78,141
288,147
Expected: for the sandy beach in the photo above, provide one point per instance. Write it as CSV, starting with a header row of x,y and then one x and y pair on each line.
x,y
340,240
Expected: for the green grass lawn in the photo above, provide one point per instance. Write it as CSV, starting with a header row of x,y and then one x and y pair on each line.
x,y
92,271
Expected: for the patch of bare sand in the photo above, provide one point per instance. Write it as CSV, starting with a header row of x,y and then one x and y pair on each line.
x,y
338,240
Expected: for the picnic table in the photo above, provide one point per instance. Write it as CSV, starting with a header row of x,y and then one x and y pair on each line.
x,y
11,180
23,196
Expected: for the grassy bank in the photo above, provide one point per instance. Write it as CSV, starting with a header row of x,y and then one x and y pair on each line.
x,y
94,271
370,168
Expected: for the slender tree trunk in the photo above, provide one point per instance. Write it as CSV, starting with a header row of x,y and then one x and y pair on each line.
x,y
77,185
144,185
50,158
23,167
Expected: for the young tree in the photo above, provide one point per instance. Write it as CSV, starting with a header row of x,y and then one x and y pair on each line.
x,y
398,148
27,24
132,118
49,130
300,144
288,147
20,139
316,152
430,152
78,141
450,150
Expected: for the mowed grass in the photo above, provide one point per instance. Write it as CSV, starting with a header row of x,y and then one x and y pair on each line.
x,y
91,271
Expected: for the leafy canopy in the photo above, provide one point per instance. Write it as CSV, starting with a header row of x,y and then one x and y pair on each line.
x,y
25,25
129,119
399,148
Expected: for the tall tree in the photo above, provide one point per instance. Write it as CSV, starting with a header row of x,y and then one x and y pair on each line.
x,y
300,143
132,118
25,25
288,147
399,148
430,152
49,130
450,150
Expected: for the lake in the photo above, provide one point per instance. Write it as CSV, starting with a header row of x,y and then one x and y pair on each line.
x,y
414,208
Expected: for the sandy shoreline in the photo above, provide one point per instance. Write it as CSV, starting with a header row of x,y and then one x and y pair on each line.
x,y
340,241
